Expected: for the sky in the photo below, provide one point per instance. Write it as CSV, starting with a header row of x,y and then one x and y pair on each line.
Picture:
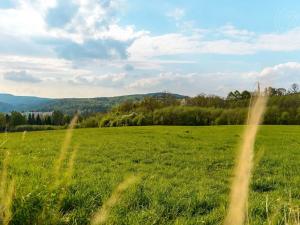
x,y
90,48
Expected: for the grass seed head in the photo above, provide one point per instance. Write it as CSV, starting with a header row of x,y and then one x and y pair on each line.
x,y
240,187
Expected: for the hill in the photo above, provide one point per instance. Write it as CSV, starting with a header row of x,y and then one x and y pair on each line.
x,y
4,107
21,100
10,102
69,105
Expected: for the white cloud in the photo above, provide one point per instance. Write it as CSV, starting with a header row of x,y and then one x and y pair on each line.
x,y
228,41
281,75
92,21
70,82
191,83
89,49
21,76
176,14
107,80
169,44
95,20
288,41
175,44
231,31
23,21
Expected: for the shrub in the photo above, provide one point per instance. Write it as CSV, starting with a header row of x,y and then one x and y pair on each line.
x,y
93,121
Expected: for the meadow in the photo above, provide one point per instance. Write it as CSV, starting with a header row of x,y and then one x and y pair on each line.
x,y
184,175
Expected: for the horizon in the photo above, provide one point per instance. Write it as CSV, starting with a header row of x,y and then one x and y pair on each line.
x,y
104,48
145,93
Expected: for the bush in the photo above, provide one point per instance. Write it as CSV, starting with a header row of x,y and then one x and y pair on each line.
x,y
91,122
232,117
105,121
142,120
181,115
285,118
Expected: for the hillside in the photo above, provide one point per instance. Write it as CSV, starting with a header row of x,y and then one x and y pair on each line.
x,y
10,102
68,105
4,107
21,100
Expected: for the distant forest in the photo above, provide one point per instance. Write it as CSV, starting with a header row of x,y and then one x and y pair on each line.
x,y
202,110
169,109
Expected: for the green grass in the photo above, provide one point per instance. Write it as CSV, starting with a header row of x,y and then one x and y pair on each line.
x,y
185,174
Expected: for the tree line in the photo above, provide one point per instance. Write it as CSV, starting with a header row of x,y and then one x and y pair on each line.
x,y
14,119
167,109
283,108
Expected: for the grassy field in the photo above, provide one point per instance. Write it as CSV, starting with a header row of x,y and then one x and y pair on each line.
x,y
185,175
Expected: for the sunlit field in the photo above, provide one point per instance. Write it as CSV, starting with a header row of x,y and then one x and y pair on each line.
x,y
184,175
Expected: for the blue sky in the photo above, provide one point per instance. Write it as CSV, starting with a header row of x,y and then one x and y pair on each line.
x,y
88,48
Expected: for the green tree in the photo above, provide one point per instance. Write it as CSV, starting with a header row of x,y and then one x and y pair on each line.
x,y
17,119
2,122
29,120
294,88
245,95
67,119
58,118
149,104
285,118
48,120
38,120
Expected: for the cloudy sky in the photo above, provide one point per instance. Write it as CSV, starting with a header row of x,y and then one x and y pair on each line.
x,y
88,48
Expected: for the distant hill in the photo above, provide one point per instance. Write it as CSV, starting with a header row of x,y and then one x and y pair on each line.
x,y
4,107
68,105
10,102
21,100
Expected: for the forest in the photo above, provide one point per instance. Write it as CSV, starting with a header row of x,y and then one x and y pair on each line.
x,y
166,109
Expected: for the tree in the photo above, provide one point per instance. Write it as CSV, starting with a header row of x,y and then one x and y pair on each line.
x,y
231,96
150,104
67,119
281,91
276,91
2,122
48,120
58,118
246,95
285,118
38,120
17,119
236,95
31,119
294,88
126,106
168,99
272,91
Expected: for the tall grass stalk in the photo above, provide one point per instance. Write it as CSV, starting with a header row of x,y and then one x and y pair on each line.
x,y
5,139
24,135
7,214
3,183
52,213
102,215
63,185
240,187
7,190
64,149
